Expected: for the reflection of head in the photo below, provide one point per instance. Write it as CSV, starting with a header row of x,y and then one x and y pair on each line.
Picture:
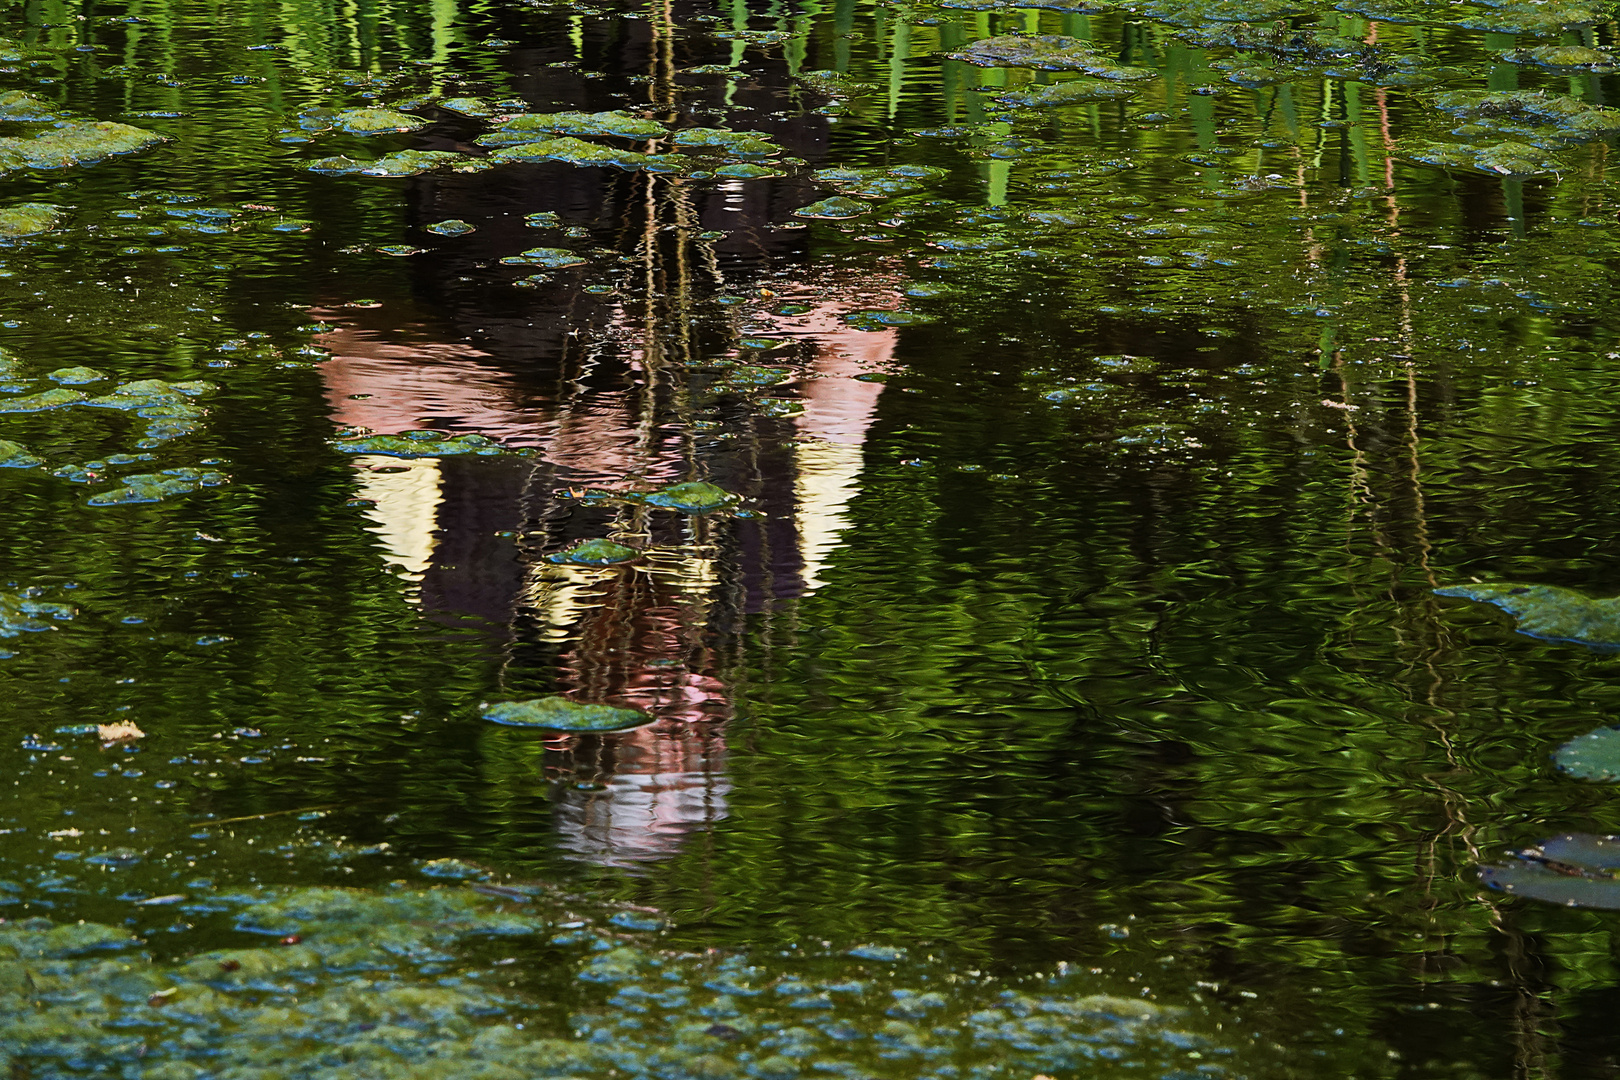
x,y
657,785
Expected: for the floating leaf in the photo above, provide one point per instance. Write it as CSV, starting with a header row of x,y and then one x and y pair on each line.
x,y
421,444
595,553
1550,612
1051,52
539,127
743,144
16,456
155,487
29,219
550,258
375,122
565,714
834,208
453,227
1576,870
123,731
1546,121
59,398
410,163
1593,756
1074,92
578,152
76,376
17,105
1506,158
75,144
691,497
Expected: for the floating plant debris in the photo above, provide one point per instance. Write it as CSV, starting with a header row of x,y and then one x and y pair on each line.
x,y
565,714
595,553
1551,612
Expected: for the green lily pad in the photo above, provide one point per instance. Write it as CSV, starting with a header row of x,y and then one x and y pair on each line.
x,y
155,487
1576,870
595,553
834,208
550,258
24,613
29,219
59,398
336,165
468,106
747,376
410,163
1051,52
422,444
1074,92
578,152
1550,612
72,144
76,376
1593,756
1506,158
691,497
1566,58
18,105
1545,121
376,122
16,456
745,171
539,127
742,144
565,714
453,227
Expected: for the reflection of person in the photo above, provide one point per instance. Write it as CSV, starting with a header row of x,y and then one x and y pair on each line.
x,y
637,635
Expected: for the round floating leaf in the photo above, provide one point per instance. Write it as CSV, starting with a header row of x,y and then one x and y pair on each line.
x,y
76,376
16,456
29,219
1547,611
565,714
1575,870
834,208
1593,756
453,227
691,497
422,444
595,553
374,121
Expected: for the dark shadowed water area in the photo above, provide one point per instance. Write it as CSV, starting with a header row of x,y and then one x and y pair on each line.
x,y
1084,530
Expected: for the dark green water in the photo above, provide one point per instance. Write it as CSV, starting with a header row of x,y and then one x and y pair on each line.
x,y
1072,649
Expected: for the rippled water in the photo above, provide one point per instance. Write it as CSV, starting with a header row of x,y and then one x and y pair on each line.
x,y
1099,393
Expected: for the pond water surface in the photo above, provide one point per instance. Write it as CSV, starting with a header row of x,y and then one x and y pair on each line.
x,y
1048,677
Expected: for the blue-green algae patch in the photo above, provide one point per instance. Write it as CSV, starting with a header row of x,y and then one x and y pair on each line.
x,y
597,552
1551,612
423,444
158,486
565,714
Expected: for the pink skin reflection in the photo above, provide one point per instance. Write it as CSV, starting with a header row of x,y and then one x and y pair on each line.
x,y
638,634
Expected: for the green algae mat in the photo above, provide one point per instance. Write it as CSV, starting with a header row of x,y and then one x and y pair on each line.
x,y
917,539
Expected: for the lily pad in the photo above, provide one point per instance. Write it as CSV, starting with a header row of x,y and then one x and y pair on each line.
x,y
1074,92
1546,121
23,612
742,144
409,163
76,376
550,258
453,227
16,456
1506,158
1575,870
59,398
539,127
691,497
578,152
834,208
75,144
29,219
18,105
1593,756
1550,612
1049,52
565,714
595,553
375,122
468,106
155,487
421,444
336,165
